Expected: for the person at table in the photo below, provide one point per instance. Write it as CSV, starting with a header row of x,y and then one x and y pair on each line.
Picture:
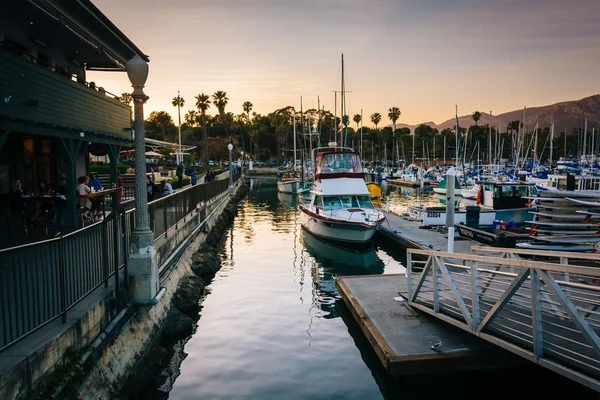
x,y
94,183
95,186
83,189
168,188
44,189
152,188
17,206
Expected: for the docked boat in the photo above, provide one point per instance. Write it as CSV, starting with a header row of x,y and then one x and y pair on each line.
x,y
289,181
502,201
441,187
340,208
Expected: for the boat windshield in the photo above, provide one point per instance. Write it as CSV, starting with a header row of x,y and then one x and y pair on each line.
x,y
338,162
335,202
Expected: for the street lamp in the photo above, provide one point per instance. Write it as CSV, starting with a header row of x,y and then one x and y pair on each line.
x,y
230,148
142,265
242,166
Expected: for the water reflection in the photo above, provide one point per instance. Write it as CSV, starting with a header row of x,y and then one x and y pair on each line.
x,y
329,261
269,327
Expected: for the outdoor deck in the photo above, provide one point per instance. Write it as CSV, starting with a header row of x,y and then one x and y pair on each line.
x,y
402,337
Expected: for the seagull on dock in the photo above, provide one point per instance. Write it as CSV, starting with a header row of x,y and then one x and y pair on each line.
x,y
437,346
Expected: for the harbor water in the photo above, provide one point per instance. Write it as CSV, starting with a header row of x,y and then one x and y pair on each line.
x,y
272,325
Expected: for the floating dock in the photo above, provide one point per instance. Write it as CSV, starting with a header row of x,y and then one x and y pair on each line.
x,y
402,338
412,234
400,182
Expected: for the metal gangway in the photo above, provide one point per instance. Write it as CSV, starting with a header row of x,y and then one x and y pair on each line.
x,y
543,306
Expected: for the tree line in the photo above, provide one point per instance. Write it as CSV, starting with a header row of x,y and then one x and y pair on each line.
x,y
270,136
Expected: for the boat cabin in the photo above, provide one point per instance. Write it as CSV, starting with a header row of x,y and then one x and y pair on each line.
x,y
338,164
290,174
505,195
573,182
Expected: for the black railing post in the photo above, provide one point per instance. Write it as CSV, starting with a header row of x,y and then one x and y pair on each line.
x,y
165,206
105,260
117,256
125,251
62,277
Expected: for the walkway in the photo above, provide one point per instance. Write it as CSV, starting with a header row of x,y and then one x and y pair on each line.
x,y
543,311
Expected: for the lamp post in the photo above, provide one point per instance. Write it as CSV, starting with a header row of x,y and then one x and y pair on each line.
x,y
242,165
230,148
143,268
180,155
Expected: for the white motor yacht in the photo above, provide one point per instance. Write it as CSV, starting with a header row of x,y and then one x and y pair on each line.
x,y
340,208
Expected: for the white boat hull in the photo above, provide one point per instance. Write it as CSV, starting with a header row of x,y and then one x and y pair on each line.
x,y
290,187
457,192
329,229
437,217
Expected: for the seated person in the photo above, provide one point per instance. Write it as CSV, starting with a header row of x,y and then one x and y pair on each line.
x,y
168,189
95,185
17,206
152,189
83,189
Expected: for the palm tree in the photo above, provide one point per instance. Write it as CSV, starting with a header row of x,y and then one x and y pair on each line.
x,y
476,116
178,102
220,100
247,107
191,117
357,118
203,104
376,119
126,98
393,114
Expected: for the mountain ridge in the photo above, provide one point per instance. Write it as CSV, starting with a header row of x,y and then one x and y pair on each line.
x,y
567,115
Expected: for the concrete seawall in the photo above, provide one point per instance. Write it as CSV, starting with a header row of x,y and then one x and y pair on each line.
x,y
121,356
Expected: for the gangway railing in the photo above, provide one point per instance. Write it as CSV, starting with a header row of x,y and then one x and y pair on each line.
x,y
524,306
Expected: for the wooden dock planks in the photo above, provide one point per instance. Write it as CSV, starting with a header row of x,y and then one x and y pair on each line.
x,y
402,338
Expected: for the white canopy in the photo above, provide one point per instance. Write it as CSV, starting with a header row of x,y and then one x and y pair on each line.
x,y
153,154
344,187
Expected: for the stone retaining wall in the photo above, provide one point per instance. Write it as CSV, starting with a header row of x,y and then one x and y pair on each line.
x,y
120,359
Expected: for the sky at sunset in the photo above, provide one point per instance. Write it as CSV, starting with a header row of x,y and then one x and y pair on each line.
x,y
423,56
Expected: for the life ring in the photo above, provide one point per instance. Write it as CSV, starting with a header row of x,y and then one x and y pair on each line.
x,y
479,195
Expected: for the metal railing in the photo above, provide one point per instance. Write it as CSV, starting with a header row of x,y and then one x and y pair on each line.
x,y
546,312
40,282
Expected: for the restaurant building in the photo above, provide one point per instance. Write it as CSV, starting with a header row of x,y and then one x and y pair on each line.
x,y
51,118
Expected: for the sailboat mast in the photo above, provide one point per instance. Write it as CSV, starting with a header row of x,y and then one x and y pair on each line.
x,y
535,144
335,116
302,123
490,143
361,136
584,153
319,108
294,122
457,134
551,142
343,107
